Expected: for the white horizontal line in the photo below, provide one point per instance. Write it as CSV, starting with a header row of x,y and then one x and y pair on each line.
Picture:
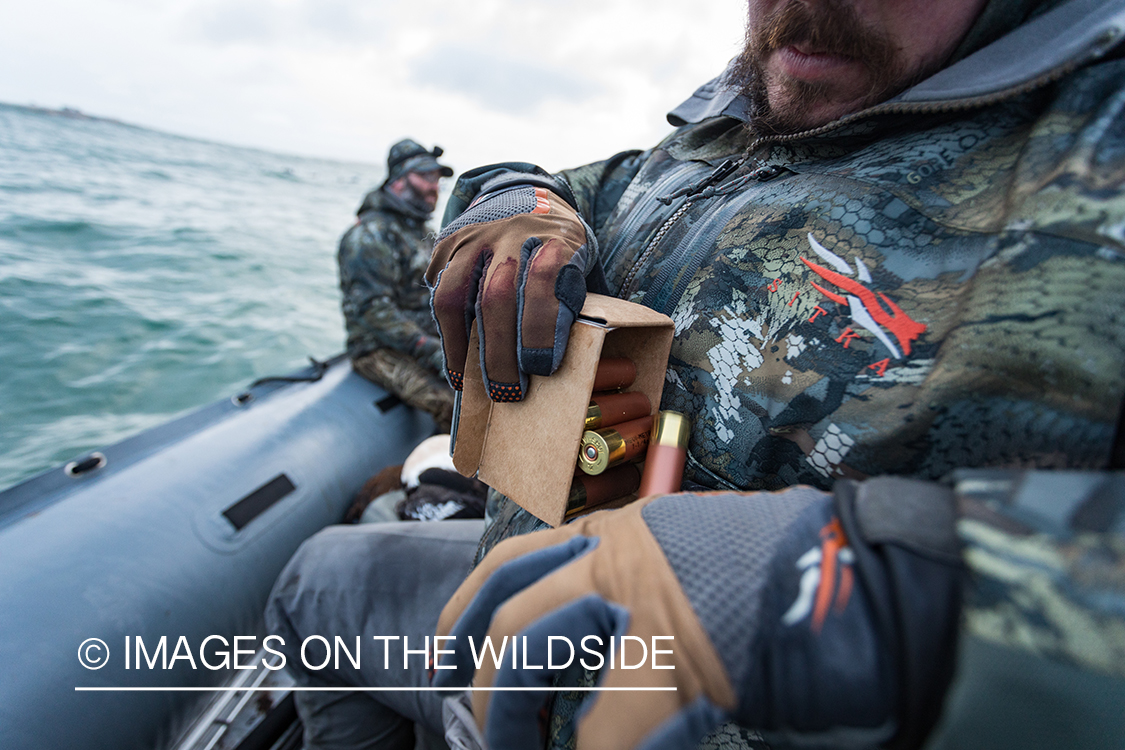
x,y
367,689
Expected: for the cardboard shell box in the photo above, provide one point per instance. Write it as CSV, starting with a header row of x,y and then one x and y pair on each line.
x,y
528,450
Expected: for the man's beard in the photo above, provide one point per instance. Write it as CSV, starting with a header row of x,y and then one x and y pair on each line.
x,y
833,28
416,198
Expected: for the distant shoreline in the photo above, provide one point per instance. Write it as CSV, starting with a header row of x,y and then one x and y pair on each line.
x,y
68,112
71,113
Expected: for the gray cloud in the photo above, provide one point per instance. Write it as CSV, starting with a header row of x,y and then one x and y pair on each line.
x,y
507,83
269,22
235,22
339,21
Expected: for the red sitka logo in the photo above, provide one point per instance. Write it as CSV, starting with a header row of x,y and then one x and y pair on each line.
x,y
875,312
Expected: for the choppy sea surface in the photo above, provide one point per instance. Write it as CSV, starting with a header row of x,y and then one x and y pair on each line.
x,y
144,274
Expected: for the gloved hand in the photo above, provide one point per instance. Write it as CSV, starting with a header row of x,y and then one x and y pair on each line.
x,y
515,261
772,625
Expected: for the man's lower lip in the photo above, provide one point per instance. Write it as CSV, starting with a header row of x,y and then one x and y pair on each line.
x,y
811,66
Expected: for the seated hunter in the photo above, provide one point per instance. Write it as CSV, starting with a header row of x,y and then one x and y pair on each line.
x,y
392,340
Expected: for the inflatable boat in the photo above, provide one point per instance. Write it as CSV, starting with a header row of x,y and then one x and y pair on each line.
x,y
117,568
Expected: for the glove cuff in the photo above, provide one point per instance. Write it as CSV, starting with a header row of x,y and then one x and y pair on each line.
x,y
907,556
521,179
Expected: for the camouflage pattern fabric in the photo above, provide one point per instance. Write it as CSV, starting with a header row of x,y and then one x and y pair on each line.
x,y
907,296
893,301
1037,592
417,386
1043,612
386,303
903,294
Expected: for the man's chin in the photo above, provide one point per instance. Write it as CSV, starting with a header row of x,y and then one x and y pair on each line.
x,y
796,108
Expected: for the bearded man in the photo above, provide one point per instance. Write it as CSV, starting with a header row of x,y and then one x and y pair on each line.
x,y
892,240
391,337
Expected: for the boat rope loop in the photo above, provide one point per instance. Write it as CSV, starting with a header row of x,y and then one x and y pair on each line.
x,y
319,368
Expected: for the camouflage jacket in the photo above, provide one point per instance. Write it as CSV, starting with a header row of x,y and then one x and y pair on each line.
x,y
385,300
937,282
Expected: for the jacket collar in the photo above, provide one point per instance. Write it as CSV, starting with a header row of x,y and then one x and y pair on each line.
x,y
384,200
1036,53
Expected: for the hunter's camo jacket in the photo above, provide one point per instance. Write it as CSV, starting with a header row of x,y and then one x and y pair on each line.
x,y
912,291
908,295
382,259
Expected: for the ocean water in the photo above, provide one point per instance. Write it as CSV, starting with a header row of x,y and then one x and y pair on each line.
x,y
143,275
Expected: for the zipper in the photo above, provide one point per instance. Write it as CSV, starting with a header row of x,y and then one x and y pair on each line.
x,y
705,188
701,190
718,175
683,263
642,211
628,284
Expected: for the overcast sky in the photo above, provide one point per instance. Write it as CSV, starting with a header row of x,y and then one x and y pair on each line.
x,y
557,83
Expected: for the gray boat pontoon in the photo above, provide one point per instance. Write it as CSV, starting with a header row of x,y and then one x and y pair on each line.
x,y
178,532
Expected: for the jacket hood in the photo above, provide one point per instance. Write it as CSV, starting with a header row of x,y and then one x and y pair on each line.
x,y
1037,52
382,200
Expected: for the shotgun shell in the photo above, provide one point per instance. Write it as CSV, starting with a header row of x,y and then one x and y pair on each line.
x,y
603,449
608,409
589,491
667,452
614,373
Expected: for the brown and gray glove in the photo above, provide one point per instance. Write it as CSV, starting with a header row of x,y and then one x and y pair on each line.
x,y
763,608
515,262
